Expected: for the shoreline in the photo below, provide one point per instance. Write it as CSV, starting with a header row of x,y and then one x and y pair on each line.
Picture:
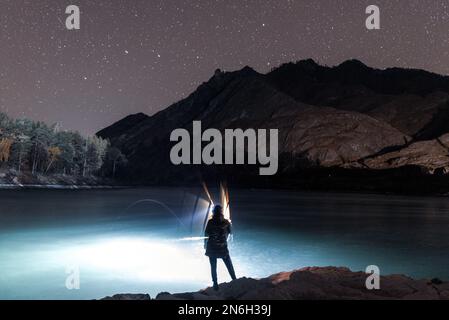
x,y
12,180
5,186
57,187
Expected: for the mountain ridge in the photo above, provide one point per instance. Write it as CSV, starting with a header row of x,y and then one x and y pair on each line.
x,y
328,117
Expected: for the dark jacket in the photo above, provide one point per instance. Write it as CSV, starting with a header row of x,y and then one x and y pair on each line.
x,y
217,231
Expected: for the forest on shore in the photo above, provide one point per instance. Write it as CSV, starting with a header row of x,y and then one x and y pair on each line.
x,y
36,148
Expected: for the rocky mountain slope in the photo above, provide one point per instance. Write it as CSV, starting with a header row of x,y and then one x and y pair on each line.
x,y
340,120
313,283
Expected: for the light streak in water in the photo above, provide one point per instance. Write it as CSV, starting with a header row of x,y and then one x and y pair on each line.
x,y
193,239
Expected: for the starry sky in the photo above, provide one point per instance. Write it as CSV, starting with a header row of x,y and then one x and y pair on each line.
x,y
142,55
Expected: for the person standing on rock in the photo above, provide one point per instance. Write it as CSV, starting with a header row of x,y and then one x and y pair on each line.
x,y
217,232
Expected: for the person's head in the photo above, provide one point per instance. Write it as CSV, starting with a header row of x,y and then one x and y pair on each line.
x,y
217,212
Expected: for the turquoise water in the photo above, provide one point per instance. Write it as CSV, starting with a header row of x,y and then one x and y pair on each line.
x,y
48,237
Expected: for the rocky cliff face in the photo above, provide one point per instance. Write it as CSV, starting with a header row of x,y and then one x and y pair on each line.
x,y
314,283
350,116
431,155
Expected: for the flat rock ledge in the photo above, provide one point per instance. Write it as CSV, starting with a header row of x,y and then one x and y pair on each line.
x,y
313,283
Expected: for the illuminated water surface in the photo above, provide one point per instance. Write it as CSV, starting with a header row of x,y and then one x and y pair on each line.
x,y
146,249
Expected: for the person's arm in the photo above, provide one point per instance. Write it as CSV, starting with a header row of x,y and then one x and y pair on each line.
x,y
229,237
206,234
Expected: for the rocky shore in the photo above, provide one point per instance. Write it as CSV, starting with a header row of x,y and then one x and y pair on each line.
x,y
313,283
11,179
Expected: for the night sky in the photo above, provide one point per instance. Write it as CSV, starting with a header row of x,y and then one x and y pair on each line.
x,y
142,55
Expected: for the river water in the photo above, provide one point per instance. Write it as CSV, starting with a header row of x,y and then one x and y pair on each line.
x,y
50,239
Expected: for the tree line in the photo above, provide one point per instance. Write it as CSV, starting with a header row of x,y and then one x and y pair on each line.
x,y
36,147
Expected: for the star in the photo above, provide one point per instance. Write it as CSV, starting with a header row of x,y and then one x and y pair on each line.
x,y
143,55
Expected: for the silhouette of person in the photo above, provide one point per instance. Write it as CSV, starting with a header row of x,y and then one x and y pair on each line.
x,y
217,231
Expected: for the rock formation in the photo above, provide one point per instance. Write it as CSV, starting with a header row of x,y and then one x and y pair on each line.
x,y
314,283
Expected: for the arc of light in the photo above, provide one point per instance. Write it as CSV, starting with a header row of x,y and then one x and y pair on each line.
x,y
159,203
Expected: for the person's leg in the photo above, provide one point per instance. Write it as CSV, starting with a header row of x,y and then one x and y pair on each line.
x,y
213,269
228,262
